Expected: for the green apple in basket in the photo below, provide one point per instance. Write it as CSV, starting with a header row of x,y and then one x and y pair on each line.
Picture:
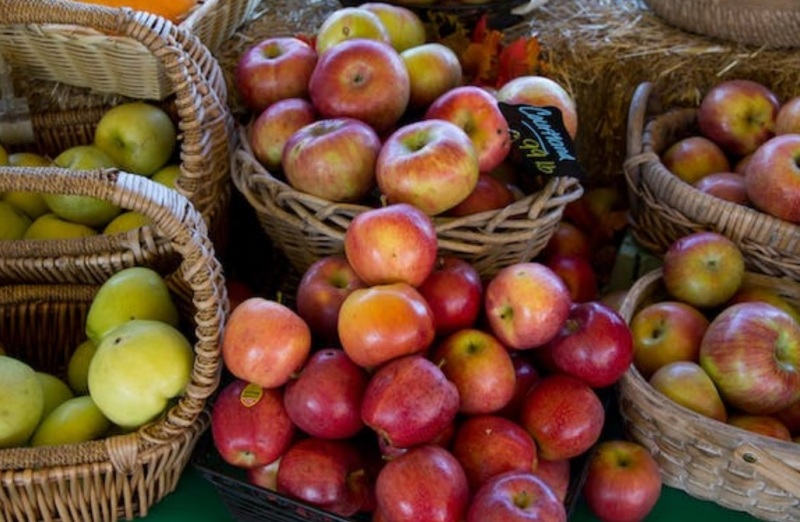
x,y
32,203
77,419
50,226
23,400
13,222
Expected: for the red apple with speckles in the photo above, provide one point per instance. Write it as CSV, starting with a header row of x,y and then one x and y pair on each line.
x,y
516,496
454,292
556,473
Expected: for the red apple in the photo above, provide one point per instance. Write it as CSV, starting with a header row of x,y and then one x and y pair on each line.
x,y
476,111
703,269
488,445
454,292
594,344
686,383
425,484
329,474
752,353
383,322
664,332
556,474
265,342
739,115
272,128
264,476
526,375
333,159
623,481
480,367
568,239
790,417
489,194
772,178
324,400
765,425
321,292
249,425
409,401
395,243
694,157
431,164
516,496
729,186
751,291
361,78
564,416
788,119
444,438
238,291
541,91
433,69
741,165
273,69
578,274
526,304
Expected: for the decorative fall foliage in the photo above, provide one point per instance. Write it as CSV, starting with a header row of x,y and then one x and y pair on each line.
x,y
173,10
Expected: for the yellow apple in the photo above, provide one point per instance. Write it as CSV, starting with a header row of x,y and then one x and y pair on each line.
x,y
32,203
347,23
54,390
138,368
433,69
23,400
140,137
132,293
405,28
50,226
75,420
78,367
128,220
167,175
13,222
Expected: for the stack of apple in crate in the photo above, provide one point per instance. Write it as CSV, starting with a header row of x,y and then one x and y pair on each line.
x,y
404,387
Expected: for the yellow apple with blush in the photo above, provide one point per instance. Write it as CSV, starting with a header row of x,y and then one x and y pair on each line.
x,y
348,23
433,69
404,26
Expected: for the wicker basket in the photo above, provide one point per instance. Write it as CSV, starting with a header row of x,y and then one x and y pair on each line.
x,y
120,476
762,23
105,55
664,208
706,458
305,227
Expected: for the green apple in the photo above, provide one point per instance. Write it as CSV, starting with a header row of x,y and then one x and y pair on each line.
x,y
132,293
3,156
167,175
139,136
23,400
128,220
32,203
75,420
13,222
85,210
55,392
138,368
78,367
50,226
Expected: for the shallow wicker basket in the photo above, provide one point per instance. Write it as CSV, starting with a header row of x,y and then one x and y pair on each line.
x,y
664,208
105,57
120,476
762,23
706,458
305,227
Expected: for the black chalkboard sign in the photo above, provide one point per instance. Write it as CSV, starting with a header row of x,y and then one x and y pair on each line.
x,y
541,144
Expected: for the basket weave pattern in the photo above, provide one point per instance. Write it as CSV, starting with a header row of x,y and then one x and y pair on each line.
x,y
664,208
120,476
706,458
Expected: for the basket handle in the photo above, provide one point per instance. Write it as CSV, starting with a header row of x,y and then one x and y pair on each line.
x,y
642,104
765,464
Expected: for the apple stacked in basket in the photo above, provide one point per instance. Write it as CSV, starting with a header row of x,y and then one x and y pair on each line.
x,y
745,149
403,386
368,111
719,343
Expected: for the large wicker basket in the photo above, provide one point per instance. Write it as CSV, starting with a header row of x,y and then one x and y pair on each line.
x,y
664,208
206,136
709,459
120,476
761,23
305,227
105,57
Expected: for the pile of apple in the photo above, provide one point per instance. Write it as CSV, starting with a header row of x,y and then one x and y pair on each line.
x,y
403,386
745,150
136,137
718,345
369,111
133,363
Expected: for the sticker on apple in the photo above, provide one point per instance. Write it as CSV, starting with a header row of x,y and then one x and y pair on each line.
x,y
540,141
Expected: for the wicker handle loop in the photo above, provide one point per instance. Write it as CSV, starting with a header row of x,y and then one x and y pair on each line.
x,y
123,452
767,465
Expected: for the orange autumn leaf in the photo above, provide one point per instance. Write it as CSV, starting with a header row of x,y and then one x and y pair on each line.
x,y
519,58
173,10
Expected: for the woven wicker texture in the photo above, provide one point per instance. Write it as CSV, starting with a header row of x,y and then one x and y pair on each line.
x,y
706,458
664,208
104,56
765,23
123,475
